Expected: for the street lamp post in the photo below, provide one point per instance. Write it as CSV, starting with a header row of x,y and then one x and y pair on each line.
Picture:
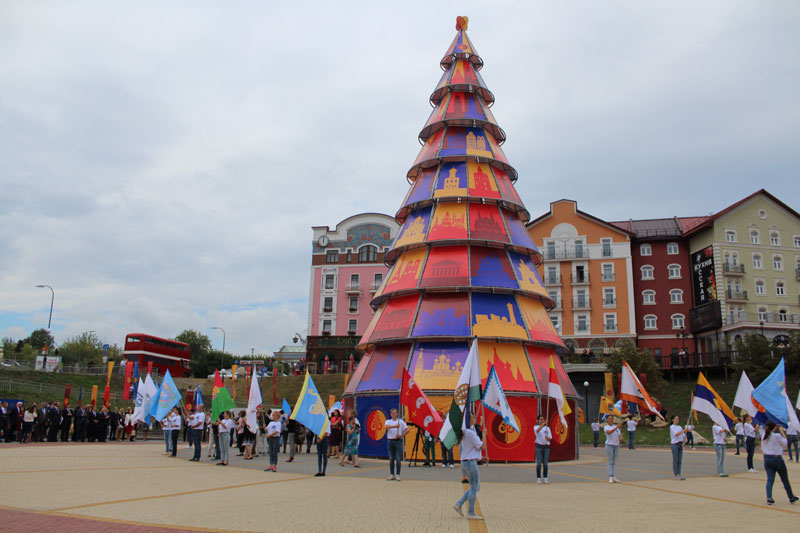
x,y
586,401
222,360
52,298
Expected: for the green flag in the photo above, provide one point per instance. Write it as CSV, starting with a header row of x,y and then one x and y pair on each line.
x,y
220,398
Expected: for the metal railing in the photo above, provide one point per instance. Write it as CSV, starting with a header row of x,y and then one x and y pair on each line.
x,y
735,295
582,303
696,360
565,254
729,268
580,278
550,279
608,277
57,391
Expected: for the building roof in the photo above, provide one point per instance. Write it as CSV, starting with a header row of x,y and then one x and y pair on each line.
x,y
584,214
291,352
654,228
709,221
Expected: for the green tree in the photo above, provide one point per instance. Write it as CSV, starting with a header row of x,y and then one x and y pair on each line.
x,y
39,338
754,355
82,349
199,349
641,362
8,346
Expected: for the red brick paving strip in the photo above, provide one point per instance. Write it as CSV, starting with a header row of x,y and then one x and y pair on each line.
x,y
14,521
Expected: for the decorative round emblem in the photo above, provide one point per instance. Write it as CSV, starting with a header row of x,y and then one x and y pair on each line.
x,y
376,424
461,394
560,431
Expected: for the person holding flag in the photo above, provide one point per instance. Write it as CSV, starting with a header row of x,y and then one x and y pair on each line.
x,y
772,445
310,411
196,422
706,400
273,440
613,433
543,438
470,446
396,430
677,435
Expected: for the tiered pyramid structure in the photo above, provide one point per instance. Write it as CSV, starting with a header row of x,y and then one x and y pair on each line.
x,y
462,266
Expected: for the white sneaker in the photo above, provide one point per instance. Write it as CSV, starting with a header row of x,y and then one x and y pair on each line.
x,y
451,466
752,470
539,480
611,480
458,509
616,480
397,478
444,465
390,478
546,481
475,517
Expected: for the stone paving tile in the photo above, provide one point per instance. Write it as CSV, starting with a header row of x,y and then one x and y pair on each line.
x,y
16,521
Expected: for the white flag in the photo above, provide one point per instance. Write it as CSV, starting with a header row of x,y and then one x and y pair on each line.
x,y
467,390
744,395
148,391
793,421
494,399
253,401
797,405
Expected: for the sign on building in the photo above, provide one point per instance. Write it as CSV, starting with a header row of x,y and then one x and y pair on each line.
x,y
704,280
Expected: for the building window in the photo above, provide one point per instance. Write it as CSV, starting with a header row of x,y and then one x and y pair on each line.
x,y
327,304
672,248
551,250
608,271
553,293
760,290
580,298
579,251
377,281
762,314
797,241
645,249
354,304
368,254
730,236
674,271
757,262
610,320
678,321
755,237
582,324
783,315
647,272
354,282
552,274
650,322
332,256
326,327
780,288
676,296
649,297
606,247
554,320
775,238
330,281
777,262
609,297
735,259
352,325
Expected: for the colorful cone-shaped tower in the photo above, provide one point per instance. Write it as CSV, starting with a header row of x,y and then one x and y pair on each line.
x,y
462,266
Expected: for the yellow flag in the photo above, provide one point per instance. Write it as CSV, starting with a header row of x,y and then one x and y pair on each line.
x,y
609,387
110,368
331,401
94,394
234,368
607,407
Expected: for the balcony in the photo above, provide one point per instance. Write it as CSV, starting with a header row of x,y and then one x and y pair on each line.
x,y
374,286
552,279
327,309
736,296
582,303
353,288
608,277
610,328
558,255
733,270
353,310
582,328
580,278
609,303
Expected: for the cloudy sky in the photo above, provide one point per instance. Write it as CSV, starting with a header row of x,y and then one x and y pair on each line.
x,y
162,163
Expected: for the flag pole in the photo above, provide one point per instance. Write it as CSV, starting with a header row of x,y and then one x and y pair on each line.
x,y
484,435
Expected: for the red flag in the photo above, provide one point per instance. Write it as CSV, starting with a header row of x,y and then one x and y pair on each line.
x,y
420,410
67,390
149,367
126,389
218,384
107,396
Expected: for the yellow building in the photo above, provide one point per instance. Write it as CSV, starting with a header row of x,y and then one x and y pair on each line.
x,y
587,271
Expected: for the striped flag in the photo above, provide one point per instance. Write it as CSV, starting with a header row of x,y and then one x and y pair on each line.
x,y
706,400
631,390
554,391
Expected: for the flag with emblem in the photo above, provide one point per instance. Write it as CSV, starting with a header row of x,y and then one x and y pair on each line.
x,y
707,400
420,410
309,409
632,390
221,400
770,398
554,391
467,390
494,399
607,407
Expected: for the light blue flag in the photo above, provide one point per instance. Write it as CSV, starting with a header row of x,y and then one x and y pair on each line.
x,y
285,407
198,398
168,397
494,399
771,398
153,406
309,409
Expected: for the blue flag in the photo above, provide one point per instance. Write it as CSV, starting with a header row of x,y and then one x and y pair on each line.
x,y
263,371
154,405
285,407
770,398
168,397
135,378
309,409
198,398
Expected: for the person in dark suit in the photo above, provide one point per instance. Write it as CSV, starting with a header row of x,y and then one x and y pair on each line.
x,y
66,422
102,425
14,414
3,420
91,427
53,422
81,423
113,423
40,425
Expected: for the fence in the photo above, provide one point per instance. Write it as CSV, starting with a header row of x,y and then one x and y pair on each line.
x,y
56,391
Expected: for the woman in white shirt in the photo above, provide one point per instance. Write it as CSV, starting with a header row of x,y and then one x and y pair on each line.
x,y
720,433
612,447
772,445
225,429
470,446
739,429
543,438
677,437
791,437
596,432
274,441
750,442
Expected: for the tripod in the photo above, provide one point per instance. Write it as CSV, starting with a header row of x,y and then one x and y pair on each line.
x,y
415,450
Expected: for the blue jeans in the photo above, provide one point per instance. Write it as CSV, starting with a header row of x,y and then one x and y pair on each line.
x,y
322,455
596,435
217,454
611,455
720,449
774,464
274,444
542,456
631,435
469,468
395,455
447,455
224,446
750,448
677,458
195,437
739,440
792,440
168,439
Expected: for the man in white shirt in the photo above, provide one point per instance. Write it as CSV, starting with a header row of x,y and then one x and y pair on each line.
x,y
720,433
739,429
632,423
196,422
396,429
543,436
470,455
677,436
791,441
596,432
175,423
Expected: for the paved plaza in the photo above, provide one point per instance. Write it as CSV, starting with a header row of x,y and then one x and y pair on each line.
x,y
134,487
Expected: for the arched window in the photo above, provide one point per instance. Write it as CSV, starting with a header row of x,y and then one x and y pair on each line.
x,y
650,322
757,261
674,271
777,262
648,297
775,238
783,316
762,314
755,237
597,346
368,254
647,272
678,321
676,296
760,287
780,288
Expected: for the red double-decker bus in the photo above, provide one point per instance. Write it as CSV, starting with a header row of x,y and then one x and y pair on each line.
x,y
164,353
